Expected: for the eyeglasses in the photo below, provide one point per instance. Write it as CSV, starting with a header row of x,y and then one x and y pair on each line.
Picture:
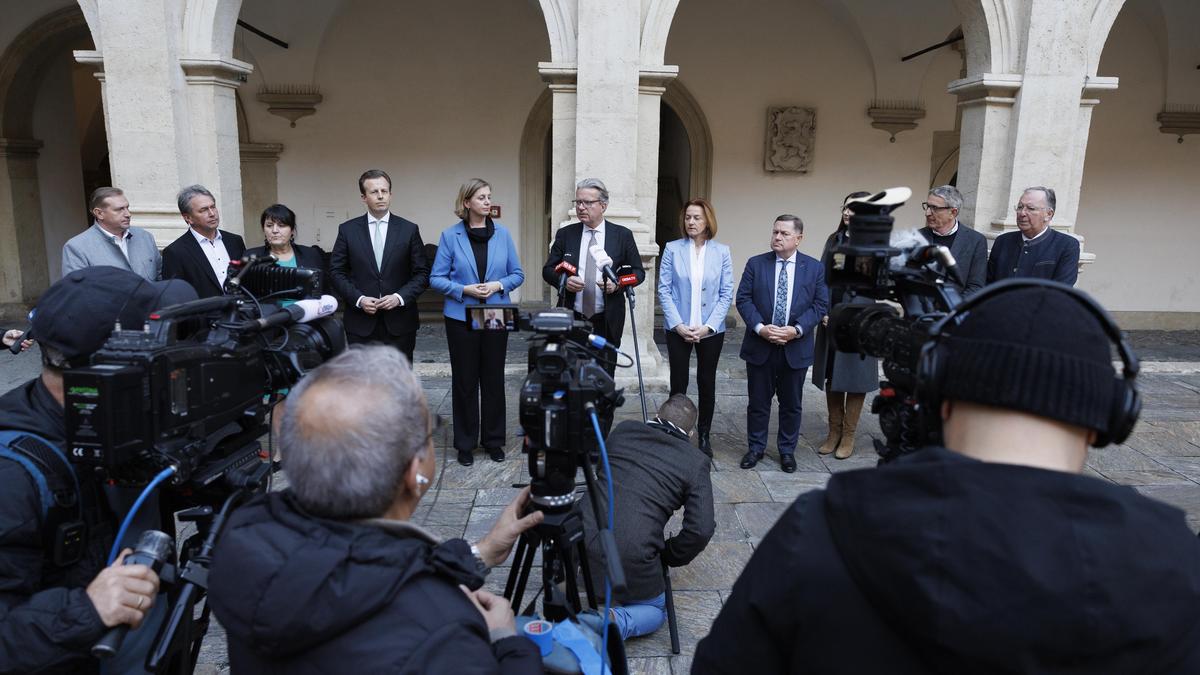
x,y
586,203
1032,209
926,206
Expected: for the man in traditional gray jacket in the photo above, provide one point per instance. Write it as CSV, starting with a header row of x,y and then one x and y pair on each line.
x,y
111,241
943,228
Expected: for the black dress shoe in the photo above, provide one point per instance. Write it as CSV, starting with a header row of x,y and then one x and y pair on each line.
x,y
750,459
497,454
705,444
787,463
466,457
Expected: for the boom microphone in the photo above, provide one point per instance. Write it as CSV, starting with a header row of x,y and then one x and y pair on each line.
x,y
153,550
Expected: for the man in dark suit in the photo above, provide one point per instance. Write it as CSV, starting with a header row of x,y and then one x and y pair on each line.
x,y
943,228
201,255
587,291
1036,249
782,297
379,268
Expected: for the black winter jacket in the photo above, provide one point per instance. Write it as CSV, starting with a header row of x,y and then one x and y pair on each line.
x,y
299,594
942,564
47,621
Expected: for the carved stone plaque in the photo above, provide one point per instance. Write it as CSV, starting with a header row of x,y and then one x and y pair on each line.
x,y
790,134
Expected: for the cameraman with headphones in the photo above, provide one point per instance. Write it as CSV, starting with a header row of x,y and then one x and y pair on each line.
x,y
993,553
58,595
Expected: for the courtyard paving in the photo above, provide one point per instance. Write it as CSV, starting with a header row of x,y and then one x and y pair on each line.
x,y
1161,460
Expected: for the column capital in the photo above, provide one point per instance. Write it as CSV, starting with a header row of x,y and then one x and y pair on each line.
x,y
26,148
1094,86
560,76
654,79
260,152
215,70
985,88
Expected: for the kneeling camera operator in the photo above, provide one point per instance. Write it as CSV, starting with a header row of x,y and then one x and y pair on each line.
x,y
150,401
983,549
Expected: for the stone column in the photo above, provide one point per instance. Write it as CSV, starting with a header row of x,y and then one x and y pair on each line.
x,y
215,152
260,183
23,270
563,101
609,121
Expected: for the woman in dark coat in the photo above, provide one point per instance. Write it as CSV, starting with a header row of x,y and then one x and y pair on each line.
x,y
279,231
846,377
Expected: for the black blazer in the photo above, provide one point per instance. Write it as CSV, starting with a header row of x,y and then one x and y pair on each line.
x,y
620,246
970,253
353,273
309,257
183,259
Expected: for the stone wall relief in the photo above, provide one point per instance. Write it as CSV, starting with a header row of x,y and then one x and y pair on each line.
x,y
791,131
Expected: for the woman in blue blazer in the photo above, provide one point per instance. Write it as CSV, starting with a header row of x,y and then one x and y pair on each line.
x,y
476,264
695,289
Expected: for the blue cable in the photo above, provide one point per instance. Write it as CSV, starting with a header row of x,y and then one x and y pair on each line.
x,y
611,519
116,547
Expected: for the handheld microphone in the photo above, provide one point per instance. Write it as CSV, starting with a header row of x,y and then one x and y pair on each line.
x,y
303,311
153,550
604,263
564,270
626,277
16,346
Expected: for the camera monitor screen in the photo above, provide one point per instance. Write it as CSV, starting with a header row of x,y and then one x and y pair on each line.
x,y
492,317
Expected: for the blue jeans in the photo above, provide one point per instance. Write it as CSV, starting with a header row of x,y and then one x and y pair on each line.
x,y
641,618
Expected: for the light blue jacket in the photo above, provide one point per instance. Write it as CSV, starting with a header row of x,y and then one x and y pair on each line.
x,y
675,284
454,267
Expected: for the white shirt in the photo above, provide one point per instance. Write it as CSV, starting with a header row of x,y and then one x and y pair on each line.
x,y
584,259
383,226
791,280
214,250
1036,236
695,318
121,240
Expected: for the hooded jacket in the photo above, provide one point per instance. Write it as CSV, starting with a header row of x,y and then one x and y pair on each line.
x,y
47,621
300,594
939,563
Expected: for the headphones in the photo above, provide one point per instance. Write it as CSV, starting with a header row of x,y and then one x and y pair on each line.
x,y
935,354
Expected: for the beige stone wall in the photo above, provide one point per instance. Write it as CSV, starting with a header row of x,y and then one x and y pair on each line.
x,y
63,202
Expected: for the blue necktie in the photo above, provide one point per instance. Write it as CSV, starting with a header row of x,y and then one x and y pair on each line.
x,y
779,318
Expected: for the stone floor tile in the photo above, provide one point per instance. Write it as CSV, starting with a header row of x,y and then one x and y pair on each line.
x,y
497,496
716,568
728,527
1149,477
757,519
736,486
1163,443
681,665
785,487
1186,497
658,665
695,611
1187,466
1120,458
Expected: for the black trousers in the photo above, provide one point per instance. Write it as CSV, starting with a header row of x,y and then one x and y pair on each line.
x,y
708,353
600,327
405,342
477,367
774,379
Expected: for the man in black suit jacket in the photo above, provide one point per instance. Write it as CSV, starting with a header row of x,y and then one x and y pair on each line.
x,y
379,268
782,297
943,228
201,255
597,303
1036,250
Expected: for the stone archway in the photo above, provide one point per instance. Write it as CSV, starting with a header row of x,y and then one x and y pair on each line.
x,y
535,205
695,123
24,270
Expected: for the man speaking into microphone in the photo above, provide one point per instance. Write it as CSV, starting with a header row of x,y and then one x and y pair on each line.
x,y
593,250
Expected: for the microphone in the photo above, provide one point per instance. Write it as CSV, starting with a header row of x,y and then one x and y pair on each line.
x,y
153,549
563,270
626,277
939,254
604,263
16,346
303,311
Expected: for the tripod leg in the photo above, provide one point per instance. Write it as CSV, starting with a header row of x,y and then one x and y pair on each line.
x,y
585,569
514,588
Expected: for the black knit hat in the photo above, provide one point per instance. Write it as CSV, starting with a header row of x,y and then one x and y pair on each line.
x,y
77,313
1035,350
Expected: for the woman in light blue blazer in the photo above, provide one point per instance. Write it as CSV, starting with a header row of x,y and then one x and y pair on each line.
x,y
476,264
695,289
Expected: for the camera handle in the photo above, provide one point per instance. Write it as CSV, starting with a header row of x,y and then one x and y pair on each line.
x,y
637,352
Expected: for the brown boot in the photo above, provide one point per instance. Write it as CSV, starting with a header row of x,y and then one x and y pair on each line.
x,y
836,402
854,406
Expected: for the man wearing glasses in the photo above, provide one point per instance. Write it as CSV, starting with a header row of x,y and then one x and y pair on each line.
x,y
942,228
1036,250
587,291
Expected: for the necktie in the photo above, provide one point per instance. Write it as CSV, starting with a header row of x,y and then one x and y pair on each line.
x,y
589,278
779,318
377,244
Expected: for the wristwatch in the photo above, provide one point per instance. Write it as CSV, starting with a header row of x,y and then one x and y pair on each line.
x,y
480,566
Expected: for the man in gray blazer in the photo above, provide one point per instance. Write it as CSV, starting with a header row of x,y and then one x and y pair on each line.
x,y
111,241
942,227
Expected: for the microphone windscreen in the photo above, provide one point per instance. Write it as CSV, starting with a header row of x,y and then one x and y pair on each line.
x,y
602,259
315,308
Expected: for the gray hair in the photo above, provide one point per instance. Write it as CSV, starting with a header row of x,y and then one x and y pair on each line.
x,y
187,194
1051,200
797,224
350,431
949,194
594,184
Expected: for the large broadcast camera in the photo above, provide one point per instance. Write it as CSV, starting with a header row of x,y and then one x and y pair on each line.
x,y
186,397
906,272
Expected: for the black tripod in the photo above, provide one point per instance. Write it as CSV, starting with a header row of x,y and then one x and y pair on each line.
x,y
560,536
